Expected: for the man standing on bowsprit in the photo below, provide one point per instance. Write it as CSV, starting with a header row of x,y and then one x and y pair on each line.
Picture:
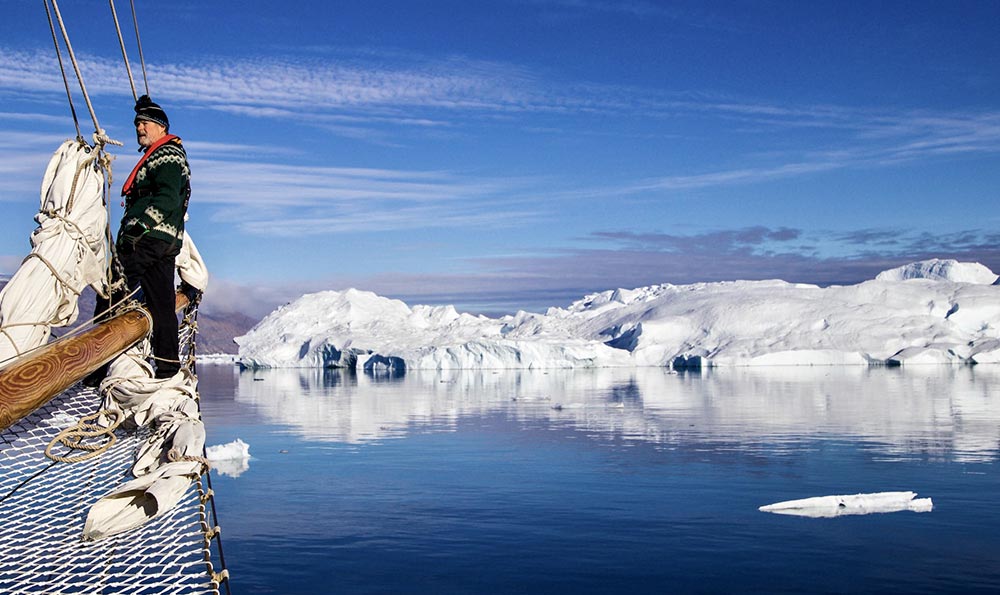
x,y
152,229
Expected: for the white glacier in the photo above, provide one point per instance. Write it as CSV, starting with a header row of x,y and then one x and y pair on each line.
x,y
935,311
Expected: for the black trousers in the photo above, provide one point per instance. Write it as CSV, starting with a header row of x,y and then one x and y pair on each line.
x,y
150,265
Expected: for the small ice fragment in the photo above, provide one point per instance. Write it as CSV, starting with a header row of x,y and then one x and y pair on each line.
x,y
60,419
230,459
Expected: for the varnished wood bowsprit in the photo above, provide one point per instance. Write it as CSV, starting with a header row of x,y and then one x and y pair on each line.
x,y
31,381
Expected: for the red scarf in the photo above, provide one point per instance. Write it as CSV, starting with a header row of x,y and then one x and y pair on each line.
x,y
131,177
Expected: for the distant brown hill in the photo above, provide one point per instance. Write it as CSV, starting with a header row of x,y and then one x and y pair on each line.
x,y
215,330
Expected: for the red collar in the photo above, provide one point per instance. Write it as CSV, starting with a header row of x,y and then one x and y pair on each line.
x,y
131,177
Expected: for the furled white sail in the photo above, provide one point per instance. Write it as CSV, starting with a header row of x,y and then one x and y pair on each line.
x,y
68,250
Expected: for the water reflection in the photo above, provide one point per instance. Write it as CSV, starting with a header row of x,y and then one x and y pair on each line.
x,y
934,410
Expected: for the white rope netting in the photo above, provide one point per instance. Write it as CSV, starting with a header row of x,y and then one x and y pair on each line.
x,y
44,504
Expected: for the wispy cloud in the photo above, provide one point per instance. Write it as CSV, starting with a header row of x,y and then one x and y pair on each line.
x,y
32,118
356,92
9,264
628,258
428,96
249,189
297,89
638,9
265,198
23,158
873,141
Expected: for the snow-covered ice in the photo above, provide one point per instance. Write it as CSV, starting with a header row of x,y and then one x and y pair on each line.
x,y
934,311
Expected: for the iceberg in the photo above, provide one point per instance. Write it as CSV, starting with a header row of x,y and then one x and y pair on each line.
x,y
929,312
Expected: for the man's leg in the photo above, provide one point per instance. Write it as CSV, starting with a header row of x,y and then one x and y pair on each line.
x,y
100,315
158,285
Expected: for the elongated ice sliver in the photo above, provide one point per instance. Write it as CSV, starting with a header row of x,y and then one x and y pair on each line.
x,y
831,506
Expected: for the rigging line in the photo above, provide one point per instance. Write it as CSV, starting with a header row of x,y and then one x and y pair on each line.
x,y
192,345
80,328
62,69
138,42
215,519
27,481
76,67
121,42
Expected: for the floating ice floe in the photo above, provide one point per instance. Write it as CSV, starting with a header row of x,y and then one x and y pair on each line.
x,y
230,459
833,506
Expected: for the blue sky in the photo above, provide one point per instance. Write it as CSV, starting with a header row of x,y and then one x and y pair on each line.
x,y
520,153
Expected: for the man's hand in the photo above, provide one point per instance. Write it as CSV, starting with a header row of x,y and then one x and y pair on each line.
x,y
130,236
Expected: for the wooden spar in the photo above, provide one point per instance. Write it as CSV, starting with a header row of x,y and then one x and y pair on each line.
x,y
31,381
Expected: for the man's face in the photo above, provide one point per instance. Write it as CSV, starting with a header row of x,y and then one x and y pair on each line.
x,y
147,132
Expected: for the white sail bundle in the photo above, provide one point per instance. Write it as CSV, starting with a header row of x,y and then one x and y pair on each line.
x,y
171,459
190,266
68,250
167,462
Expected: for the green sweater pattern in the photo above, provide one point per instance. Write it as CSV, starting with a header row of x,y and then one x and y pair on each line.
x,y
159,195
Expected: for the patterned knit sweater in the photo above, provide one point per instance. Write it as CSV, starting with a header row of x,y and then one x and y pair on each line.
x,y
158,197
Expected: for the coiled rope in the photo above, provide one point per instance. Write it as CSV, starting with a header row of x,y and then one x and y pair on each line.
x,y
73,437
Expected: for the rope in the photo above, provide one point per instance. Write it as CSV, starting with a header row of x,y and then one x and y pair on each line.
x,y
174,456
138,42
103,162
190,319
62,69
121,42
122,307
26,481
76,67
53,270
74,435
13,343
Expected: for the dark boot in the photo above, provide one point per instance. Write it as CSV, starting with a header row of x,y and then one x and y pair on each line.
x,y
93,380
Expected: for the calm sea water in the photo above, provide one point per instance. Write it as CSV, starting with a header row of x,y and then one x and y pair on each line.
x,y
606,481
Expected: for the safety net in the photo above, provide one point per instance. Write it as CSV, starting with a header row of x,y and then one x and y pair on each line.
x,y
44,504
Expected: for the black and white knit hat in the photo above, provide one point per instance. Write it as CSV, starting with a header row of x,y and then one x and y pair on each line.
x,y
145,109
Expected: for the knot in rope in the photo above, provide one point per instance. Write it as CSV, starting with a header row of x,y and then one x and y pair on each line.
x,y
218,577
174,455
101,138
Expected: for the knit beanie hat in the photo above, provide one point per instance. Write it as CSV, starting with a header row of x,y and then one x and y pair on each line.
x,y
145,109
